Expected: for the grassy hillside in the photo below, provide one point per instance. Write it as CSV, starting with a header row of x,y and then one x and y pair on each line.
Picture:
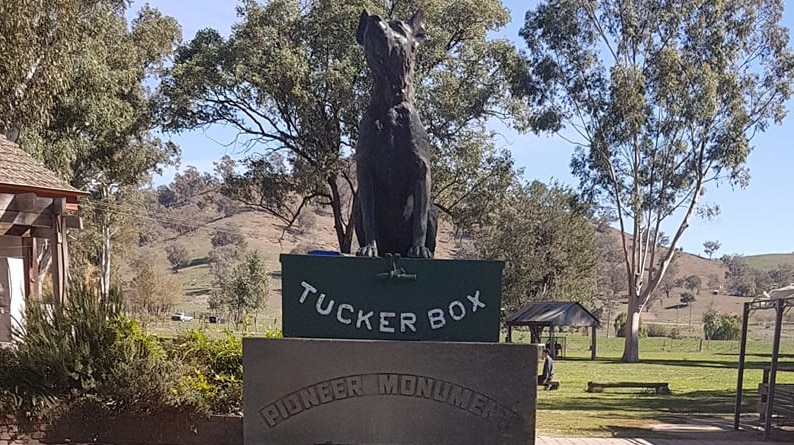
x,y
769,261
266,235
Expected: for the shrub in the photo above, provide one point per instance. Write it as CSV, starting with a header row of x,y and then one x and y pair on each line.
x,y
719,326
657,330
178,256
86,352
214,382
228,234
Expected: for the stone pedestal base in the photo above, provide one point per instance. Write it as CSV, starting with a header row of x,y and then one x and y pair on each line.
x,y
361,392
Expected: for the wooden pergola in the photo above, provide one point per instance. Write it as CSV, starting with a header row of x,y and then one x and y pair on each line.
x,y
35,204
781,301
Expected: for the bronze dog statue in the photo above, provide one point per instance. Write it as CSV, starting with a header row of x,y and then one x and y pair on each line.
x,y
393,150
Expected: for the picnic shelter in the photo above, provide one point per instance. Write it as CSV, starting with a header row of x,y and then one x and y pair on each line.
x,y
553,314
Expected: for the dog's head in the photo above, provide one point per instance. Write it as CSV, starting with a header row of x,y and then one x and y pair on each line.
x,y
390,45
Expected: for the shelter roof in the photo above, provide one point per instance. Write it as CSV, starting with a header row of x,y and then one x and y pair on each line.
x,y
553,313
20,172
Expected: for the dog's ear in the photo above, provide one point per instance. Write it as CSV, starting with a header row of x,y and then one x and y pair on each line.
x,y
417,23
362,26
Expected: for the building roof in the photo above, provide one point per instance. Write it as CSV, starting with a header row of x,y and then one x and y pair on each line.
x,y
553,313
20,170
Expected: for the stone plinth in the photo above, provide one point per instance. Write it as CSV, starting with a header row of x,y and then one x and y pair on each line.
x,y
359,392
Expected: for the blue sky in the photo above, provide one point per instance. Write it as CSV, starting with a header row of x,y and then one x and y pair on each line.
x,y
753,220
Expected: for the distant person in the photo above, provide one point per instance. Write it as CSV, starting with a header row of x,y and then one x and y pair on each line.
x,y
548,369
557,349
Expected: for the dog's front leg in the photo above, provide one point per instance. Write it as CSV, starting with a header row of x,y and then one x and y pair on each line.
x,y
421,208
366,200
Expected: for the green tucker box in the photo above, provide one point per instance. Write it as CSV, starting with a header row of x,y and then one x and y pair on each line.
x,y
390,298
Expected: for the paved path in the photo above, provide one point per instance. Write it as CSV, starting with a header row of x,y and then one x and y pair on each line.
x,y
542,440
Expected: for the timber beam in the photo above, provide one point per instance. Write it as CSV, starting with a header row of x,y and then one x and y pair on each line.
x,y
24,202
41,229
26,214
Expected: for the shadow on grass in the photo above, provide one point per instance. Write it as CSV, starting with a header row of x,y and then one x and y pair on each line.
x,y
199,261
197,292
752,361
650,405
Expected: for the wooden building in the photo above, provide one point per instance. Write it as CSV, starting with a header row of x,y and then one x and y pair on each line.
x,y
36,207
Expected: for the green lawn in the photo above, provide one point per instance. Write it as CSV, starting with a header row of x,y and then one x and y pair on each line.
x,y
702,383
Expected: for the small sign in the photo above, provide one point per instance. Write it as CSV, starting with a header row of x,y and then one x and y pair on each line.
x,y
391,298
311,391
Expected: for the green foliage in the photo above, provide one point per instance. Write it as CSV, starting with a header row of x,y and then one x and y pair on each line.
x,y
38,39
747,281
100,135
292,79
710,247
88,352
100,132
243,288
547,242
693,283
178,256
719,326
611,278
214,379
662,98
741,278
687,298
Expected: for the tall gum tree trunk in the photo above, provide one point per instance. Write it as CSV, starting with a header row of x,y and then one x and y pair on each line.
x,y
631,347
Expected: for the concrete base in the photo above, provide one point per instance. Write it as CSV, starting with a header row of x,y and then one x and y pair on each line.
x,y
359,392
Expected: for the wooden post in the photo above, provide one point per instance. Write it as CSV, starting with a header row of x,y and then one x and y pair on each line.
x,y
737,410
770,399
60,256
509,334
593,345
30,259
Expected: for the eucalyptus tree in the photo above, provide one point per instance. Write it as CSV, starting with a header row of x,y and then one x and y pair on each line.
x,y
548,242
293,83
662,99
38,39
100,135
